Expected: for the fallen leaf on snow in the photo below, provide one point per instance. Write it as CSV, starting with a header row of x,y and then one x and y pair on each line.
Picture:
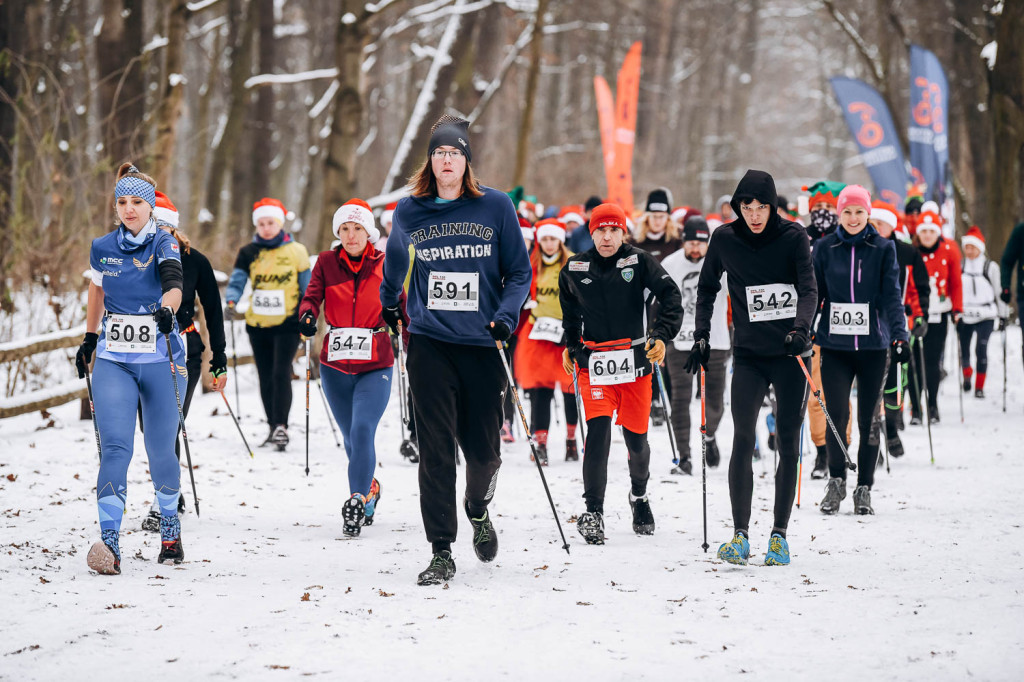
x,y
118,606
43,580
279,667
12,477
583,603
385,594
753,589
305,596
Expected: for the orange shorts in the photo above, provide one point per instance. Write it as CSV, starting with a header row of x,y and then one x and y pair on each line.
x,y
632,402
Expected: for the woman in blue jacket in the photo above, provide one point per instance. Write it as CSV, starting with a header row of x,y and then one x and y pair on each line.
x,y
861,321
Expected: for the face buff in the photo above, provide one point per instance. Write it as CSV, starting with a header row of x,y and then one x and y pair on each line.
x,y
823,221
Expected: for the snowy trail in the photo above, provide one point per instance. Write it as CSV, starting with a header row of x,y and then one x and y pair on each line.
x,y
929,588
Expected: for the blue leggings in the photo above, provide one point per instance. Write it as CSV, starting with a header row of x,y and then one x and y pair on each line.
x,y
118,388
358,402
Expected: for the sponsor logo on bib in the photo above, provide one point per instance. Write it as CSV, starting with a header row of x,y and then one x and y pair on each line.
x,y
110,260
623,262
579,266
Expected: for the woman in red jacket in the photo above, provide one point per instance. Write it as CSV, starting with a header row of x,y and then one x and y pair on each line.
x,y
356,359
942,258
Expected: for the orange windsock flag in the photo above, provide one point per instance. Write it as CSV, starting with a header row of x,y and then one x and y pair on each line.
x,y
627,94
606,124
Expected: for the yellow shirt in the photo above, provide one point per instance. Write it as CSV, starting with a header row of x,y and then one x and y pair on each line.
x,y
547,291
275,275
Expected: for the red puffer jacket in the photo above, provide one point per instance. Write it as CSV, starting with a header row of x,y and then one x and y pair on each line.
x,y
351,290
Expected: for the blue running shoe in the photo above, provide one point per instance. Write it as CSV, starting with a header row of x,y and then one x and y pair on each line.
x,y
778,551
735,552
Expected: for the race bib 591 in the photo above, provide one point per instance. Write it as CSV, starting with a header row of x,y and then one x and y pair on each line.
x,y
453,291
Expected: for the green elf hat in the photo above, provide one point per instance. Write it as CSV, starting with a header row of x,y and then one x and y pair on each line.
x,y
824,190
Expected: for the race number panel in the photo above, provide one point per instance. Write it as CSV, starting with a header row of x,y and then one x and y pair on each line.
x,y
612,367
547,329
131,334
453,291
771,302
268,302
350,343
849,319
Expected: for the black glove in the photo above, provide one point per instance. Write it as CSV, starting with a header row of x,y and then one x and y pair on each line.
x,y
499,331
796,343
84,354
307,325
1004,295
164,320
700,354
920,328
218,365
1002,324
392,317
229,312
900,351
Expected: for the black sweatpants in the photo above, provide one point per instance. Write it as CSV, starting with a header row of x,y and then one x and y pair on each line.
x,y
595,462
540,408
714,383
966,331
934,344
273,350
752,374
458,392
838,370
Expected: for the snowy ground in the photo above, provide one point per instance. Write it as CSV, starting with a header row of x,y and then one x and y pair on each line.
x,y
929,588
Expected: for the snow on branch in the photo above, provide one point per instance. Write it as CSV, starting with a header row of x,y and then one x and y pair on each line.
x,y
432,11
521,42
278,78
200,6
575,26
869,53
322,103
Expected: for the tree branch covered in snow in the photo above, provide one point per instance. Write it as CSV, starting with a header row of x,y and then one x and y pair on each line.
x,y
866,51
510,58
278,78
200,6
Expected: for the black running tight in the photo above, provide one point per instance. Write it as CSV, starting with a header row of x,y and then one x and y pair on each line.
x,y
838,370
595,461
540,408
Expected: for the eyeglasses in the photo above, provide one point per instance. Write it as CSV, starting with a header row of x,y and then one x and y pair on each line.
x,y
447,153
751,208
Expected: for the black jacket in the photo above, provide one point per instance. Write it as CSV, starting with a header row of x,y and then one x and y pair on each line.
x,y
603,300
199,280
1013,261
780,254
908,256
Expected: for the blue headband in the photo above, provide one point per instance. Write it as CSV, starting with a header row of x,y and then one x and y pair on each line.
x,y
134,187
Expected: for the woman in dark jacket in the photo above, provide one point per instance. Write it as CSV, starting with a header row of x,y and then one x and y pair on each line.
x,y
861,320
356,359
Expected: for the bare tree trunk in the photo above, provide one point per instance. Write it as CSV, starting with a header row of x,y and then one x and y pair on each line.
x,y
9,87
122,88
1006,100
532,76
262,127
169,113
339,178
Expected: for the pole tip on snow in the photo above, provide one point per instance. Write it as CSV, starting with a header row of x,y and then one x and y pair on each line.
x,y
566,548
705,546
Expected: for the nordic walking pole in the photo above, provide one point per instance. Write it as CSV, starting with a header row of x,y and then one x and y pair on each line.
x,y
96,429
927,417
703,456
327,409
234,366
582,418
237,425
835,432
407,449
529,439
181,420
960,368
309,372
1004,366
915,373
668,412
800,464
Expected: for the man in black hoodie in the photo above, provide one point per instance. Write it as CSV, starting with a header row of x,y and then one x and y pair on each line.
x,y
771,284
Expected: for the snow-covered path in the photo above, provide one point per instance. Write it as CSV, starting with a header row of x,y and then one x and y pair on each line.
x,y
929,588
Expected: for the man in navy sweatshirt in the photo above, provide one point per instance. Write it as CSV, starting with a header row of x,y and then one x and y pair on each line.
x,y
470,276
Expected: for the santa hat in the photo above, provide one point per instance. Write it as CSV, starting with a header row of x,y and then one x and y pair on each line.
x,y
608,215
571,217
884,212
164,211
930,218
268,208
678,213
388,214
550,227
974,237
526,228
356,211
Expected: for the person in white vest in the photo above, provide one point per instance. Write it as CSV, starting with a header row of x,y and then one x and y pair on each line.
x,y
982,308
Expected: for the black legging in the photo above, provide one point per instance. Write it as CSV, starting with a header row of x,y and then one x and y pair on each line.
x,y
273,350
540,408
595,461
965,331
752,374
838,370
934,343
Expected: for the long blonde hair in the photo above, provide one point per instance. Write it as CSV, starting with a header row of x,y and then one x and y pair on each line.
x,y
643,227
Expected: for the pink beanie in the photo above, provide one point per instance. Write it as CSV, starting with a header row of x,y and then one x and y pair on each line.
x,y
854,195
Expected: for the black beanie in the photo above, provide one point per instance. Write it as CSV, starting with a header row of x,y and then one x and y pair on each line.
x,y
659,200
592,203
450,131
696,230
914,205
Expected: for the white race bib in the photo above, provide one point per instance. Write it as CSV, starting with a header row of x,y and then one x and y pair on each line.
x,y
547,329
453,291
268,302
131,333
612,367
849,319
684,339
771,302
350,343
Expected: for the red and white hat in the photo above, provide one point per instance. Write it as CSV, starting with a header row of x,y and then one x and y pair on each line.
x,y
527,229
885,212
974,237
268,208
388,214
550,227
571,217
164,211
930,219
356,211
